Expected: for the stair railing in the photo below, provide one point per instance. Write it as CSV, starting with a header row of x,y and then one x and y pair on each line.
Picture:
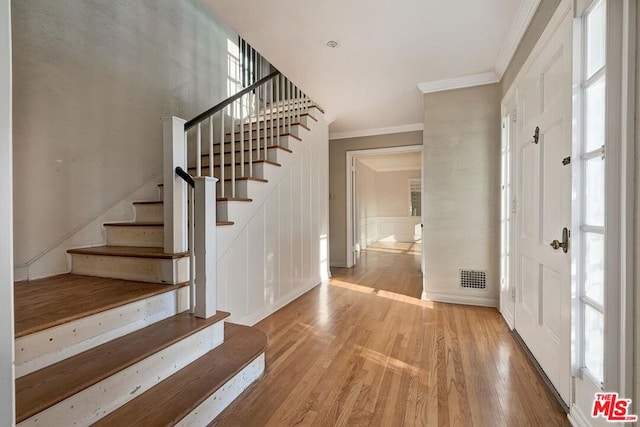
x,y
217,149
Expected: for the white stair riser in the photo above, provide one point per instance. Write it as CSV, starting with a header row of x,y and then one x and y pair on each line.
x,y
41,349
284,121
284,141
295,130
243,188
149,212
95,402
147,237
208,410
257,171
153,270
226,211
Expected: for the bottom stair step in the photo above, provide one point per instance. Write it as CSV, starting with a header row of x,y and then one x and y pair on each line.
x,y
196,394
81,389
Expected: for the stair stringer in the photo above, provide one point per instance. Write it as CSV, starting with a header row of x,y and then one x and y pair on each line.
x,y
272,253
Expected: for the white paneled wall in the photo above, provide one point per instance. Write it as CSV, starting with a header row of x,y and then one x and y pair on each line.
x,y
282,251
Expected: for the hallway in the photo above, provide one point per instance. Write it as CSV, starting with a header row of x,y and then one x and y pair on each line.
x,y
364,350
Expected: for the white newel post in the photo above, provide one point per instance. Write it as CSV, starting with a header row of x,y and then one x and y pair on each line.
x,y
205,244
175,189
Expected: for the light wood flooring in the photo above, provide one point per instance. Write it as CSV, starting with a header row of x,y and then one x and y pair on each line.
x,y
364,350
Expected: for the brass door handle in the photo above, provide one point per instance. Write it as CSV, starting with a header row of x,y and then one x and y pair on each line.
x,y
556,244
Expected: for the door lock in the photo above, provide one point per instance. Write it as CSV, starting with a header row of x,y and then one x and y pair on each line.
x,y
565,241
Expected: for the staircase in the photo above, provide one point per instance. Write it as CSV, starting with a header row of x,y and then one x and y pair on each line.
x,y
115,342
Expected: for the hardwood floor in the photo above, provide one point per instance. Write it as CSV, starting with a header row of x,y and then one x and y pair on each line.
x,y
364,350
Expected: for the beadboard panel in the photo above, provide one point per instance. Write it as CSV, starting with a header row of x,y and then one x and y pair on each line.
x,y
281,252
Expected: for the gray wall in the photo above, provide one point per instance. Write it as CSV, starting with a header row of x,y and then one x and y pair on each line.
x,y
540,19
7,402
393,192
461,190
92,80
337,183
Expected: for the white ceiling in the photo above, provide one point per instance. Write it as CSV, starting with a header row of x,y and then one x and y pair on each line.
x,y
387,47
392,162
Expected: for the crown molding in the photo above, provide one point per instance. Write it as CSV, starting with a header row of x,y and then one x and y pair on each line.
x,y
377,131
518,27
458,82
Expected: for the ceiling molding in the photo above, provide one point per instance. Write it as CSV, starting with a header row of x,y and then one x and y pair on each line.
x,y
378,131
518,27
458,82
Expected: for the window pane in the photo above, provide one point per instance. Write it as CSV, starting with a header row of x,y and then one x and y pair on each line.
x,y
594,118
596,38
594,342
594,191
594,267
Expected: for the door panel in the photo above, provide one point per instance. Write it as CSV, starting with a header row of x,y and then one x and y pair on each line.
x,y
543,193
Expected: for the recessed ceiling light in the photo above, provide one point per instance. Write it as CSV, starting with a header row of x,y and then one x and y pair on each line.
x,y
332,43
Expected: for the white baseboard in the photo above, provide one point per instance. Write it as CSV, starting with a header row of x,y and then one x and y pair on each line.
x,y
577,418
268,310
339,264
463,299
20,273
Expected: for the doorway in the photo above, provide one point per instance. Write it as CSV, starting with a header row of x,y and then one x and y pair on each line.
x,y
384,203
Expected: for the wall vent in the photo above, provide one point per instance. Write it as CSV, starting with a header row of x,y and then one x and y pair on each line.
x,y
473,279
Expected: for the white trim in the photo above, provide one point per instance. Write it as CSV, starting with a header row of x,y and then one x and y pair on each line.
x,y
268,310
377,131
398,169
7,342
462,299
349,160
518,27
459,82
577,418
549,31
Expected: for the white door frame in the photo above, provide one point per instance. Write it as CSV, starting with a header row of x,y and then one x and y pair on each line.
x,y
7,386
350,208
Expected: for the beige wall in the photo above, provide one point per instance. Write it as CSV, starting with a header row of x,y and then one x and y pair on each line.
x,y
7,401
393,192
91,82
540,19
461,192
337,183
367,193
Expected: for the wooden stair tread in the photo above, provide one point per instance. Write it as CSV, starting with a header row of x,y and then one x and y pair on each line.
x,y
172,399
148,202
127,251
44,303
233,199
246,162
260,120
271,127
133,224
44,388
247,178
269,147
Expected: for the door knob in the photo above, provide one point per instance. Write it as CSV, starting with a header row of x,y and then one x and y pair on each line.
x,y
565,241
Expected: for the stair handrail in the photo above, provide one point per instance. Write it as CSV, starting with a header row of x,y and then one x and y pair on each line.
x,y
218,107
185,176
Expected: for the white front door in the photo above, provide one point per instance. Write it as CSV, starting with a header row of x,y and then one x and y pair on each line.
x,y
543,195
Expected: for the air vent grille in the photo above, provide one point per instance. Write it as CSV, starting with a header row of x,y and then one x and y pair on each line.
x,y
473,279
